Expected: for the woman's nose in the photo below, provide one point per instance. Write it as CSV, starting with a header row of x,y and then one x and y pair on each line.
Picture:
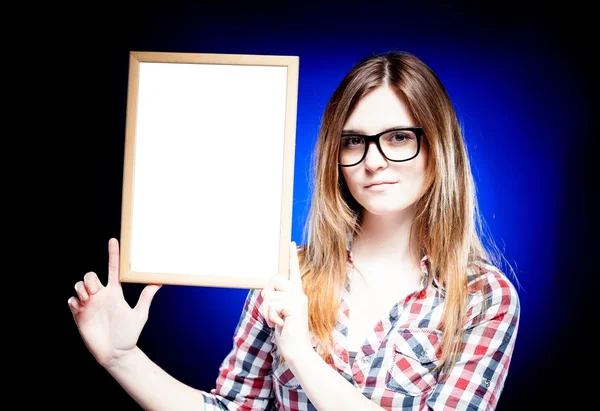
x,y
374,159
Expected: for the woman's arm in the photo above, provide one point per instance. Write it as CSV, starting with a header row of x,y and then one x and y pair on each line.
x,y
239,384
477,379
285,306
244,379
325,387
110,329
150,386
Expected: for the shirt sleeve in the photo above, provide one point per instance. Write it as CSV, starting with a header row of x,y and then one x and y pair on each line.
x,y
477,379
245,378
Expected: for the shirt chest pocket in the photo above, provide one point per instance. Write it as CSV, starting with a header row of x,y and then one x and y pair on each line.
x,y
283,375
288,392
414,357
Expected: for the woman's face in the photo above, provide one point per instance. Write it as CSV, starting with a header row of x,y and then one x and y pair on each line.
x,y
402,182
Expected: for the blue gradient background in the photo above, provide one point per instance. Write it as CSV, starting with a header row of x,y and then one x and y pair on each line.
x,y
520,86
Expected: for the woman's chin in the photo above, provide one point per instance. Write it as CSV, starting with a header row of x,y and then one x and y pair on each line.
x,y
385,210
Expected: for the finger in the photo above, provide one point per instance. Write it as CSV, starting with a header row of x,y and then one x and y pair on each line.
x,y
81,291
281,283
263,300
282,308
295,276
267,290
113,261
277,296
274,314
92,283
269,286
264,311
273,297
75,306
146,297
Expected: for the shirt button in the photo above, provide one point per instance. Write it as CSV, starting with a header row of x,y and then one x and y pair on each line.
x,y
364,360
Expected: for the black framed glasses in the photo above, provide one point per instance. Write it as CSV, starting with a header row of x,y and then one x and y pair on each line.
x,y
398,144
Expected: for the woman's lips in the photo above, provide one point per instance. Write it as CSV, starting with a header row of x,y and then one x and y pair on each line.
x,y
379,186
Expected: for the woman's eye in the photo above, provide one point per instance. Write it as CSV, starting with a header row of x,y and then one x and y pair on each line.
x,y
353,141
398,137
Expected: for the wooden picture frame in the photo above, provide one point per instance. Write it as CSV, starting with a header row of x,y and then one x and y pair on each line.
x,y
208,168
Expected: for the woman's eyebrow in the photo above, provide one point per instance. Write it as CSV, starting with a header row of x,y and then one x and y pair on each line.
x,y
351,131
383,130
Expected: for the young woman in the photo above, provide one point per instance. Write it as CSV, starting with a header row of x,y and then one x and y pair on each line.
x,y
392,303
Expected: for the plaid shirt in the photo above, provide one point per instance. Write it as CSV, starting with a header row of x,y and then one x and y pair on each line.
x,y
394,366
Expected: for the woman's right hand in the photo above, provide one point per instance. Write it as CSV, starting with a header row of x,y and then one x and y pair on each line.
x,y
109,327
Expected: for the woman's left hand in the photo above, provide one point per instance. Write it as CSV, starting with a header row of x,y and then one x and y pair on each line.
x,y
285,307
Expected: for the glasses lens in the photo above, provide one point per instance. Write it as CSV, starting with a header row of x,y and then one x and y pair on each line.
x,y
352,149
397,145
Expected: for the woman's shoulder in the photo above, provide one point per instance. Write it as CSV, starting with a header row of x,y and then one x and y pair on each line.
x,y
253,302
491,290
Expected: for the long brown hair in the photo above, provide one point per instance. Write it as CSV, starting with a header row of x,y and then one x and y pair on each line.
x,y
447,224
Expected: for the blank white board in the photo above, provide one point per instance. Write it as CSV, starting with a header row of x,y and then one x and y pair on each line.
x,y
208,170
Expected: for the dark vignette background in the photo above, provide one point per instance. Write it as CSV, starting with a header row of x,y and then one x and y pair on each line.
x,y
521,76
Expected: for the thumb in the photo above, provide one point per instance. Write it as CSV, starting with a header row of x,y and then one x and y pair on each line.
x,y
143,305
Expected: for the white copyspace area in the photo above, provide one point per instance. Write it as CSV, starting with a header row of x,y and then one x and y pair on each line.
x,y
208,169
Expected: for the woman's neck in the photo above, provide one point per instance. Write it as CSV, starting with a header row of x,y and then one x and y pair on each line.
x,y
386,239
